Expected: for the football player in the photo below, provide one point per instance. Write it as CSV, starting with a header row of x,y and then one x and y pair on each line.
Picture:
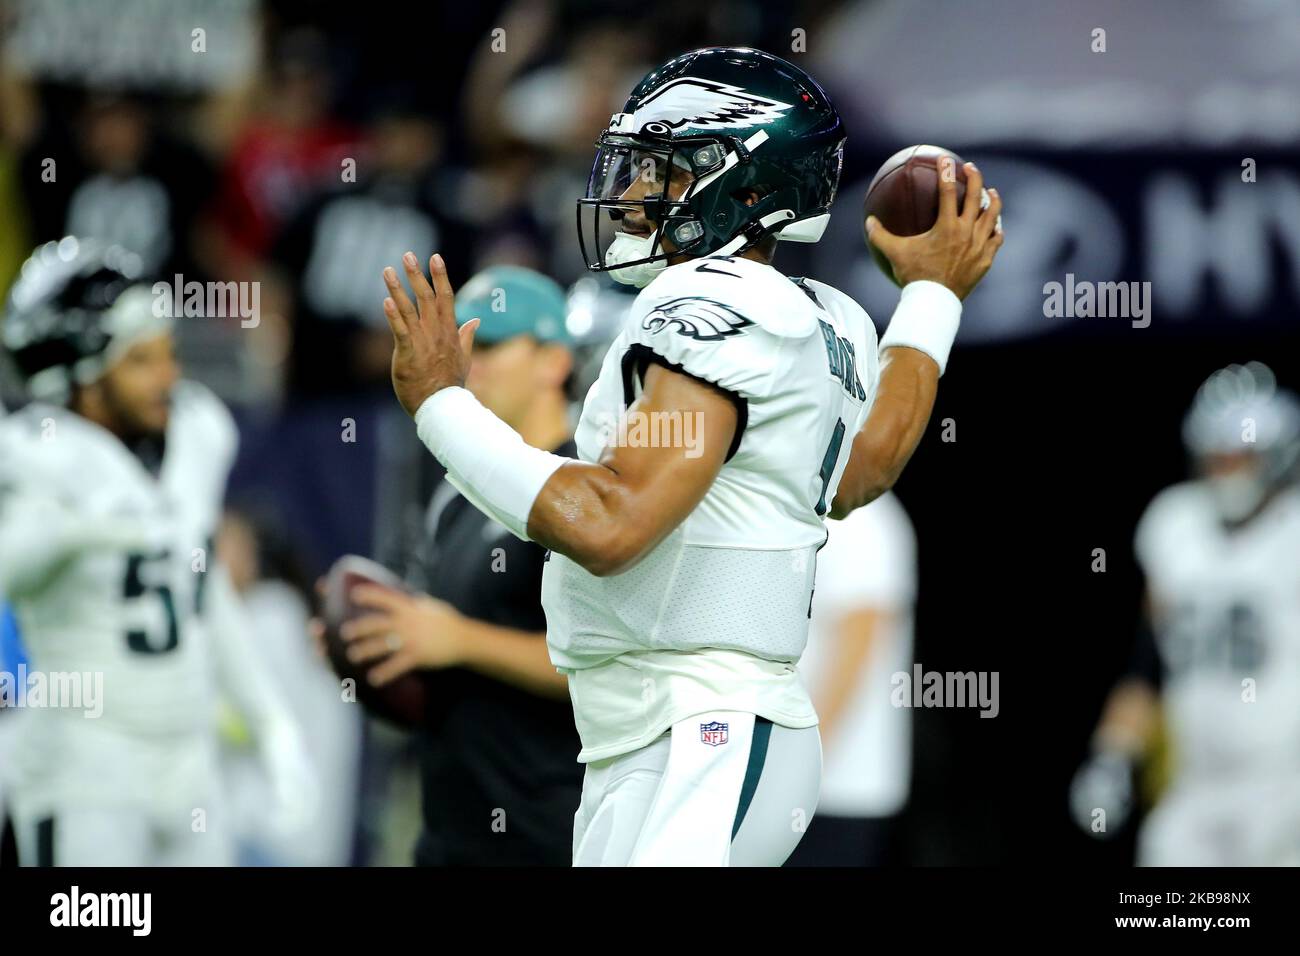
x,y
1220,654
111,483
735,410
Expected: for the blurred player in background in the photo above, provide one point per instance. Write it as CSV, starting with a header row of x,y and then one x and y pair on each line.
x,y
1221,653
678,587
859,636
498,747
276,592
111,484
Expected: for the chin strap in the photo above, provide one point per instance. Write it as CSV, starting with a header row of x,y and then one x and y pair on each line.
x,y
754,232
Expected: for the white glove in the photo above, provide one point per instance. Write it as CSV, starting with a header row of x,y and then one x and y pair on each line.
x,y
295,786
1104,782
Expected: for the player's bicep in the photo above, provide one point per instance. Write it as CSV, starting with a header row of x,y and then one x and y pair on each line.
x,y
678,436
658,465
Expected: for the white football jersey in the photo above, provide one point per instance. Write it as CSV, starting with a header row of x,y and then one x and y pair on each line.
x,y
1226,613
121,598
736,577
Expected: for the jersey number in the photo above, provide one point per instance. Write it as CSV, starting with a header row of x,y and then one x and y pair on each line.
x,y
134,587
1230,639
828,463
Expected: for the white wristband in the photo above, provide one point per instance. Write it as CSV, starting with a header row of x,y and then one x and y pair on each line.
x,y
485,458
926,319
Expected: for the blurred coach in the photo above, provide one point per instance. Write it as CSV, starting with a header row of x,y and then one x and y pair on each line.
x,y
498,749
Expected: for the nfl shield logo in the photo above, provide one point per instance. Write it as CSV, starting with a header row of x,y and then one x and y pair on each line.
x,y
714,734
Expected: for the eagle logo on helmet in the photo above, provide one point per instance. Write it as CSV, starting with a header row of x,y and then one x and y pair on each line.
x,y
696,318
705,104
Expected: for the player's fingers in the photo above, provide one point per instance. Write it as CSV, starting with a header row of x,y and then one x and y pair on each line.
x,y
366,626
397,291
423,291
389,670
396,324
880,237
974,191
370,595
989,220
371,649
947,189
990,250
442,286
316,631
466,333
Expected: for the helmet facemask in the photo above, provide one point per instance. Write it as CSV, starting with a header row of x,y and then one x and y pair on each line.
x,y
640,207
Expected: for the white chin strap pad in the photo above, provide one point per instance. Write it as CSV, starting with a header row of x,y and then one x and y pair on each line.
x,y
805,230
771,219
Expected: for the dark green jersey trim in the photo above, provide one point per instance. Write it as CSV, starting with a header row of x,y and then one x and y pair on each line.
x,y
754,770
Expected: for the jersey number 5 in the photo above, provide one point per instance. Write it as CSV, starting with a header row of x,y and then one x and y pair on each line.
x,y
134,587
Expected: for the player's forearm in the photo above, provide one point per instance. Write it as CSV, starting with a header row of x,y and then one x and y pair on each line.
x,y
515,657
30,551
593,516
909,381
604,516
586,512
39,536
1128,719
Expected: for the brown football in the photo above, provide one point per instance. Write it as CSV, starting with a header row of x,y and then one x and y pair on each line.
x,y
904,194
401,701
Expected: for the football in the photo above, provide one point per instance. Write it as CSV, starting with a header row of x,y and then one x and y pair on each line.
x,y
904,195
403,700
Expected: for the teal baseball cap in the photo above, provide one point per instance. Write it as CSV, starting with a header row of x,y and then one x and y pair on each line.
x,y
510,301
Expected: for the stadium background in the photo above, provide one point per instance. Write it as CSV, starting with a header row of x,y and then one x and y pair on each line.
x,y
1123,164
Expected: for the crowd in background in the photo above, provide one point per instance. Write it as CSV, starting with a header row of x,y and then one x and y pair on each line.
x,y
299,157
303,161
308,145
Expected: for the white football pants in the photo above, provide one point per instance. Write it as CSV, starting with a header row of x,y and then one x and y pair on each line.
x,y
105,799
722,788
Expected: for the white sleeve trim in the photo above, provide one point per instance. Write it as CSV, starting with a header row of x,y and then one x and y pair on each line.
x,y
485,458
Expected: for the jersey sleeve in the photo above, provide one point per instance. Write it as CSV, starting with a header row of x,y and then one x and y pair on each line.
x,y
41,522
715,320
213,425
1155,536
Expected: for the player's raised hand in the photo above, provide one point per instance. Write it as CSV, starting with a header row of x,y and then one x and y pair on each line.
x,y
429,352
959,249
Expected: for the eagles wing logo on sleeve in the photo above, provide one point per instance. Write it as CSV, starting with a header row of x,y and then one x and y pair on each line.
x,y
705,104
696,318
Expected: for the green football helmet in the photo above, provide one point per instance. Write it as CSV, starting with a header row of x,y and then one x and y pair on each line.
x,y
699,138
